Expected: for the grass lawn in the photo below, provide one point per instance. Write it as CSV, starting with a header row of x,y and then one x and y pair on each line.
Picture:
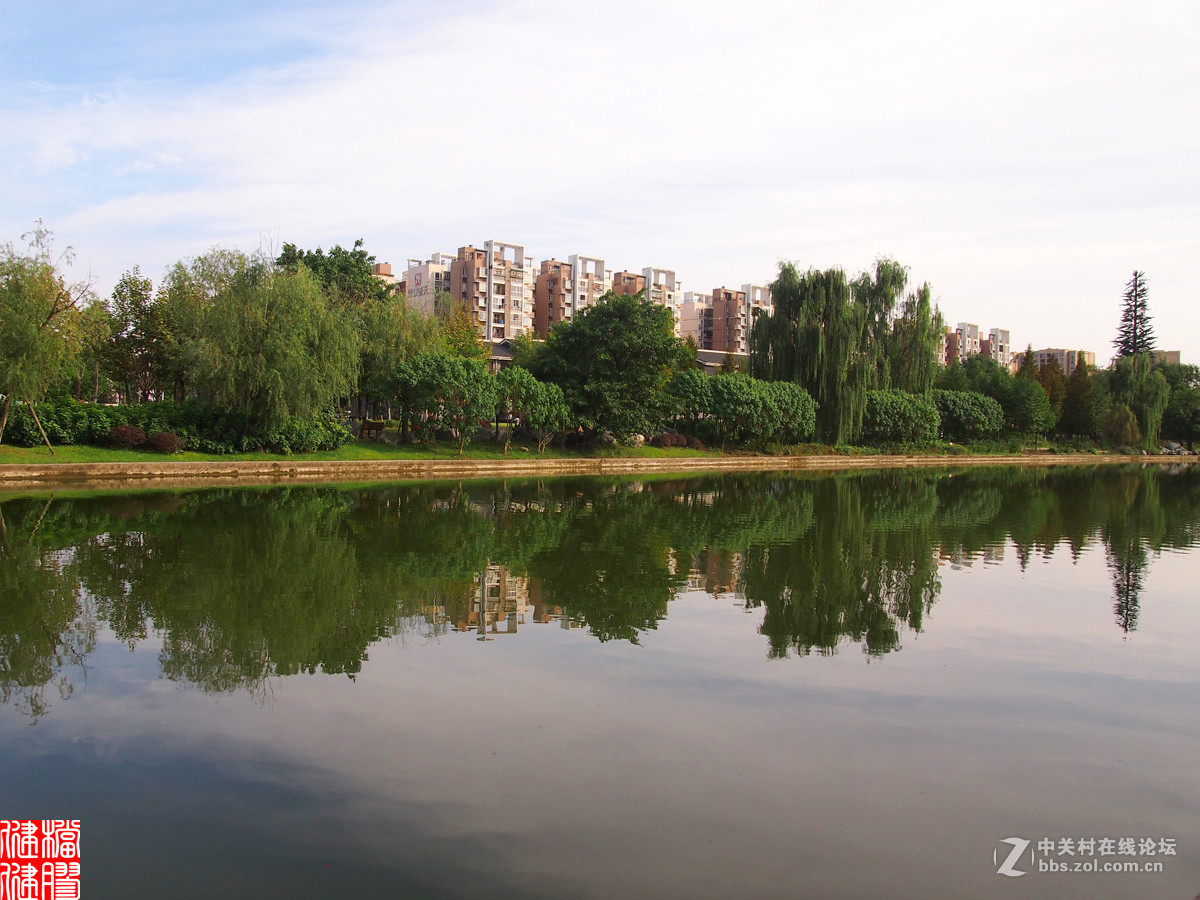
x,y
355,450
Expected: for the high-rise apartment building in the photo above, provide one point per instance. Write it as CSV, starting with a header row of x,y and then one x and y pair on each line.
x,y
1067,359
563,290
626,284
696,318
968,339
997,346
496,285
424,279
664,289
733,316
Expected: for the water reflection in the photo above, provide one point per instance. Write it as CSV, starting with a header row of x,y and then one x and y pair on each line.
x,y
244,586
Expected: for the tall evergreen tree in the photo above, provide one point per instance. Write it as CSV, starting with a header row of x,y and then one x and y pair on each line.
x,y
1079,405
1134,334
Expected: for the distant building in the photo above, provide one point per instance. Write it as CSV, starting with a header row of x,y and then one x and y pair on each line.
x,y
1167,357
563,290
383,271
664,289
696,318
626,284
496,285
968,339
733,316
997,346
424,279
1067,359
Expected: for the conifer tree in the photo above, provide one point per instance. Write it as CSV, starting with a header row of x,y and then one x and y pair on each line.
x,y
1134,334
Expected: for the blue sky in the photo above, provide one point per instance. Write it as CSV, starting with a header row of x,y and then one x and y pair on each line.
x,y
1022,157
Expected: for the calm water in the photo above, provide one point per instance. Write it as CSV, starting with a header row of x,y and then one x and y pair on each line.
x,y
752,686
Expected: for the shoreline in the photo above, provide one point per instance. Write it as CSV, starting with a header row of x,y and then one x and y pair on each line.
x,y
121,475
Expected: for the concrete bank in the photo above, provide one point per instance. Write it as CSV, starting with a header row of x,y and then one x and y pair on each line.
x,y
167,474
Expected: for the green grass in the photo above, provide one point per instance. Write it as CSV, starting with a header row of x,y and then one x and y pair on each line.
x,y
354,451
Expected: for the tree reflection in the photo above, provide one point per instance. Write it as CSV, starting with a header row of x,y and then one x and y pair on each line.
x,y
249,585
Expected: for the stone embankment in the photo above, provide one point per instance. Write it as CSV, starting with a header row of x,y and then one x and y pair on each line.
x,y
166,474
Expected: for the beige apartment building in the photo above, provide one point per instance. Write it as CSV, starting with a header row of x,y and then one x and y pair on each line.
x,y
496,285
1067,359
696,318
425,279
663,288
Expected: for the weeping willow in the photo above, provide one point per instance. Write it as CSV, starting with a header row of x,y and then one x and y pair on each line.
x,y
839,339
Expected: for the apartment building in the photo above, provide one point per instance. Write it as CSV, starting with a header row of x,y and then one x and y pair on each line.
x,y
968,339
626,284
696,318
383,271
563,290
997,346
425,279
496,285
1067,359
663,288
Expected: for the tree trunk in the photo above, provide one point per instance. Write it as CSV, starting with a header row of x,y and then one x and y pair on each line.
x,y
42,431
96,382
4,415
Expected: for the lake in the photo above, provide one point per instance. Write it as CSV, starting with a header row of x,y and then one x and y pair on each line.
x,y
891,684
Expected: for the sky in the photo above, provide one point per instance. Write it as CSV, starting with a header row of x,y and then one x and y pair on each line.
x,y
1024,158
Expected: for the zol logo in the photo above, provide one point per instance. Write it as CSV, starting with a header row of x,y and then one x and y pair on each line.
x,y
1019,846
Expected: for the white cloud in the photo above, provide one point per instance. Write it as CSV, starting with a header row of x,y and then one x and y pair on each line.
x,y
1022,157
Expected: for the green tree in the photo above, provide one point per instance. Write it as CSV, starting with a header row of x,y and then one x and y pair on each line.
x,y
1134,333
460,332
968,415
1079,403
816,337
912,349
391,334
259,340
1030,410
136,340
1050,377
39,319
1120,427
692,391
447,393
613,362
1181,420
346,276
1135,382
896,417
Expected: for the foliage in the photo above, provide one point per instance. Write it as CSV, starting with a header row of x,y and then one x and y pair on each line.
x,y
136,344
897,417
1028,410
446,393
260,341
345,276
541,408
968,415
1079,404
460,332
127,436
1181,420
691,390
1120,427
1135,382
912,348
1050,377
165,442
839,339
613,362
38,318
391,334
1135,334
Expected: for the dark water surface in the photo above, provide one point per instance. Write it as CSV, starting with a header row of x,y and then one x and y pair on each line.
x,y
851,685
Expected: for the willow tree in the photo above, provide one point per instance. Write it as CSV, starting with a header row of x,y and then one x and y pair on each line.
x,y
830,336
38,319
912,348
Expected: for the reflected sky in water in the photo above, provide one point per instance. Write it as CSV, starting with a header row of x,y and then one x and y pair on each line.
x,y
740,686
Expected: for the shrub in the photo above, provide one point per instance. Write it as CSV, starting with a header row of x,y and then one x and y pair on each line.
x,y
165,442
896,417
968,415
127,436
694,443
